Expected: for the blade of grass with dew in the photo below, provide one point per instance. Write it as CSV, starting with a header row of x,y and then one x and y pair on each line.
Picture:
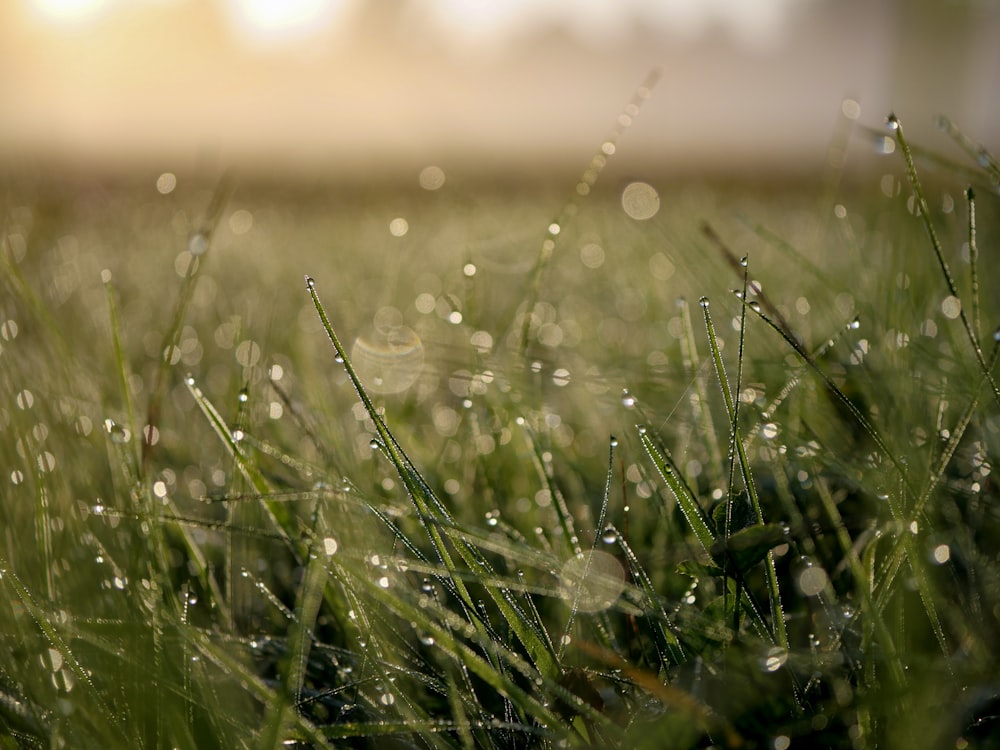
x,y
864,584
308,601
252,683
121,364
544,471
599,533
198,244
970,199
774,594
425,500
668,647
903,547
92,695
442,624
924,211
979,153
692,510
837,393
699,396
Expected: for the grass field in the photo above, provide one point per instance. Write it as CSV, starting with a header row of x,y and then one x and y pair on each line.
x,y
505,471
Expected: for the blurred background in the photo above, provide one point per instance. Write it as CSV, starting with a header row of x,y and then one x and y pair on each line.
x,y
352,90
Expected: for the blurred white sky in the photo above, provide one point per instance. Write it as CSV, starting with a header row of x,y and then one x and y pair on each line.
x,y
362,86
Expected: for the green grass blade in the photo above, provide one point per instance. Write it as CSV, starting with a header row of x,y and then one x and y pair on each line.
x,y
428,508
774,593
925,216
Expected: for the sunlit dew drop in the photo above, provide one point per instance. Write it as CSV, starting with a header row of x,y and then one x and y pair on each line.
x,y
892,121
560,377
383,582
774,659
703,301
640,201
609,535
554,229
592,582
310,283
812,580
330,546
614,442
769,431
431,178
197,243
628,400
951,307
399,226
388,359
166,183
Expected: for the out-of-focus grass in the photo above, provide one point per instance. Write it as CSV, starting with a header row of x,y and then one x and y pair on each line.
x,y
505,542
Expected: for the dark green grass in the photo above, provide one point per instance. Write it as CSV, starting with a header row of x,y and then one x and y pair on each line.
x,y
601,513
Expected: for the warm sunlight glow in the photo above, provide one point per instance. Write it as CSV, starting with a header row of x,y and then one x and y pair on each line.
x,y
70,10
276,19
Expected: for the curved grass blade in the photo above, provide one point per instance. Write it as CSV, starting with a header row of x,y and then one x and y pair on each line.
x,y
429,508
774,593
925,217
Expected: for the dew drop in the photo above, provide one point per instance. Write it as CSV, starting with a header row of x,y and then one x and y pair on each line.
x,y
628,400
744,261
310,283
892,121
703,302
642,429
197,243
609,536
854,324
614,442
244,396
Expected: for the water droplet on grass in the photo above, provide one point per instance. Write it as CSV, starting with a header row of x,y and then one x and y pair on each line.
x,y
704,302
197,243
628,400
610,535
640,201
892,121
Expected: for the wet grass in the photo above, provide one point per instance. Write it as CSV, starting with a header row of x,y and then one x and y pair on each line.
x,y
513,472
